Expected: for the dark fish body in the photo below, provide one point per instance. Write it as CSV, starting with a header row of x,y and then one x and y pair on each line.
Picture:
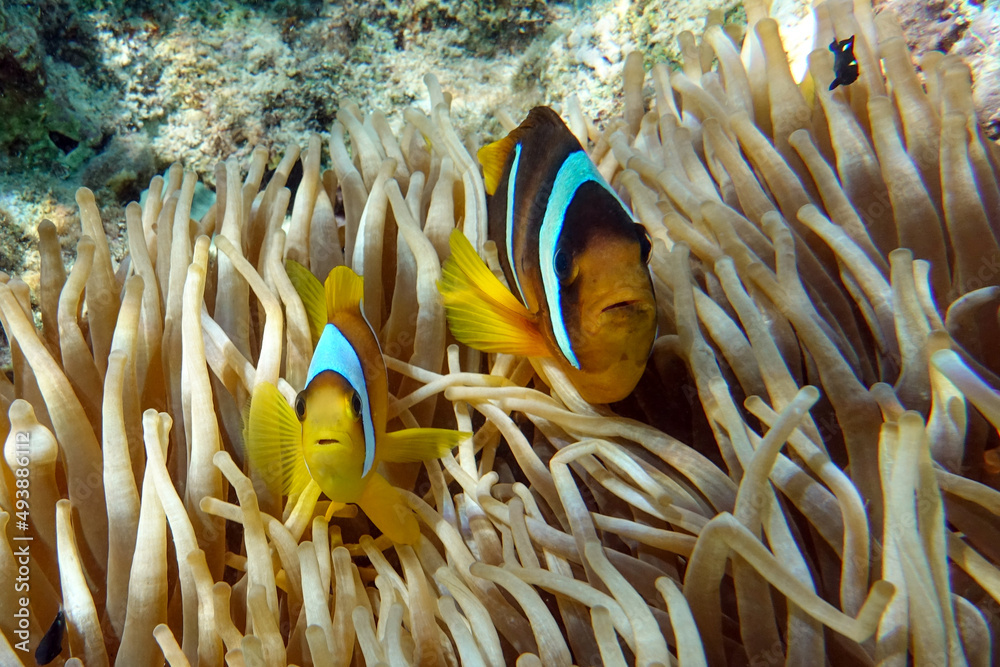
x,y
593,213
845,65
574,259
51,645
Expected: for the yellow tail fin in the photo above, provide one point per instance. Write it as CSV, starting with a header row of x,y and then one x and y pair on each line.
x,y
273,438
310,290
420,444
344,290
482,313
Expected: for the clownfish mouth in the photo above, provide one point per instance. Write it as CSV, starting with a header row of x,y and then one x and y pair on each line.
x,y
330,439
622,300
620,304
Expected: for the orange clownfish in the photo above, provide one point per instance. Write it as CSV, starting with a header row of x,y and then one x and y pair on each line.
x,y
574,257
335,433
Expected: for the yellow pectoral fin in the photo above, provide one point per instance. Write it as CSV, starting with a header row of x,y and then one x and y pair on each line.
x,y
385,507
311,292
273,439
419,444
482,313
344,290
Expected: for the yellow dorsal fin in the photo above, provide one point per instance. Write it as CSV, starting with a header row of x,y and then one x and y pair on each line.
x,y
272,436
482,313
493,157
310,290
344,290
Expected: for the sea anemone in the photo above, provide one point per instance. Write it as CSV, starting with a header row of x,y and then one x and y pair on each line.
x,y
825,266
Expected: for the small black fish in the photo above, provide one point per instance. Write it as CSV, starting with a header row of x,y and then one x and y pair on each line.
x,y
51,645
845,65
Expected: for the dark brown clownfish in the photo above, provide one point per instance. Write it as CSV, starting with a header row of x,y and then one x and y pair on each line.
x,y
576,262
845,65
50,645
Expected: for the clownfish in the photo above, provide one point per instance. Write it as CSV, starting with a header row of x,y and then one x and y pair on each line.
x,y
335,434
574,257
845,65
50,645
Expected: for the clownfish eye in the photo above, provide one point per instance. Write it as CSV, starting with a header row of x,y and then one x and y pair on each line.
x,y
356,404
645,245
300,407
563,265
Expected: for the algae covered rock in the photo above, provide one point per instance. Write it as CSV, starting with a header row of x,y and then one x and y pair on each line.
x,y
30,114
50,78
489,23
